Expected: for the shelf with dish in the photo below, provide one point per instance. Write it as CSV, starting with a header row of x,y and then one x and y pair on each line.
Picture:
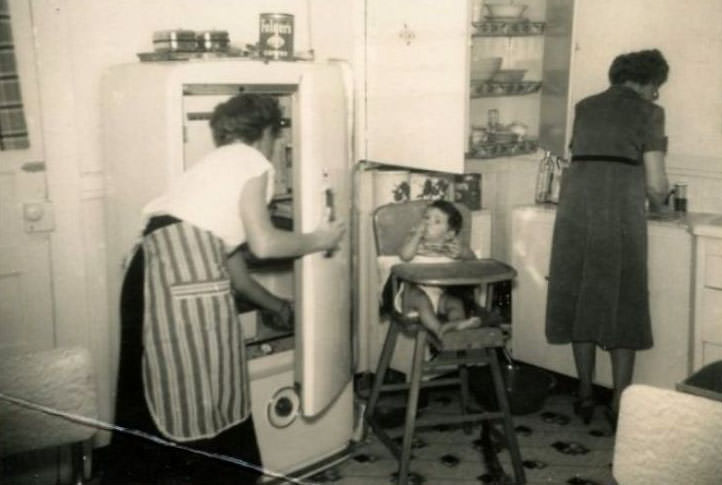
x,y
490,88
503,20
502,149
496,27
487,80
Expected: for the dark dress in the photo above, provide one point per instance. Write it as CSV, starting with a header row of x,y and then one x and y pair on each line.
x,y
598,269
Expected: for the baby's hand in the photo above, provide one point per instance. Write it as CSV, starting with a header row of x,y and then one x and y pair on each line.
x,y
418,229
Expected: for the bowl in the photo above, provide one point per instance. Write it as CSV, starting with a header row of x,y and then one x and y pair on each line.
x,y
503,136
484,68
527,387
508,75
505,11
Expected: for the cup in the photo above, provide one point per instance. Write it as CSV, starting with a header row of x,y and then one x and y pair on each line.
x,y
680,197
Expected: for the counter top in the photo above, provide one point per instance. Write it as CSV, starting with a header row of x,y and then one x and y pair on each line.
x,y
698,223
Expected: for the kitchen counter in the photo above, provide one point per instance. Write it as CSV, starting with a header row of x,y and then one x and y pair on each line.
x,y
697,223
670,268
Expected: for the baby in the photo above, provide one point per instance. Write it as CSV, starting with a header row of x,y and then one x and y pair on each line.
x,y
436,239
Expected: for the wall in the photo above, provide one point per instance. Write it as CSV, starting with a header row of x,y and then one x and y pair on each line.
x,y
689,34
75,42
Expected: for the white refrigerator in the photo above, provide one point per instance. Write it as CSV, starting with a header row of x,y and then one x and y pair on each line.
x,y
155,127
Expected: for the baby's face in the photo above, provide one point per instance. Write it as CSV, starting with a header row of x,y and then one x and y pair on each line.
x,y
436,225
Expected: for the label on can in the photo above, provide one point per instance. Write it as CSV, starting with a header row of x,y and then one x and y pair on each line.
x,y
275,39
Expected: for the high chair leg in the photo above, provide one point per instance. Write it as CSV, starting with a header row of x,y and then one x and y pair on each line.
x,y
411,406
509,432
464,391
381,368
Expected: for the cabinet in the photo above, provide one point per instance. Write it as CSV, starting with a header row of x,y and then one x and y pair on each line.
x,y
419,102
708,300
670,279
540,45
416,84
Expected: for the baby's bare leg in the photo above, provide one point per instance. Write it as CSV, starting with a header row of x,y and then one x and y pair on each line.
x,y
453,307
416,300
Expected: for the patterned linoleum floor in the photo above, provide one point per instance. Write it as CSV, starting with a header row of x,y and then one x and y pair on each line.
x,y
556,448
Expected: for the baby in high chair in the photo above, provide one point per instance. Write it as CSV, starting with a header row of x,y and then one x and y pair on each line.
x,y
436,239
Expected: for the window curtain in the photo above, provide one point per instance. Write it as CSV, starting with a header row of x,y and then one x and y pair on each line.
x,y
13,129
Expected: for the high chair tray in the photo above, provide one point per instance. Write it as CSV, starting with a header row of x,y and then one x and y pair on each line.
x,y
473,272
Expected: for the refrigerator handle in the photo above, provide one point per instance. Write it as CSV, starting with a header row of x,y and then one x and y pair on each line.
x,y
330,209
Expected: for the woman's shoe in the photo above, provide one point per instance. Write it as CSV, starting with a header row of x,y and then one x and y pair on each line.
x,y
584,408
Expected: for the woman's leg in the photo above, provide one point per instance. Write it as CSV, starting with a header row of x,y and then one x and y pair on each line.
x,y
622,372
584,359
239,442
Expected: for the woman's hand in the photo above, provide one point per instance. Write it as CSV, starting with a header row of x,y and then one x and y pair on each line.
x,y
329,234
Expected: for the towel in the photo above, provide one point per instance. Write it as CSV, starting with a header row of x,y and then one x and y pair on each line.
x,y
667,436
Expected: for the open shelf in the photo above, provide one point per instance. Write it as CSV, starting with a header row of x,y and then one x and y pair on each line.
x,y
507,28
487,89
510,149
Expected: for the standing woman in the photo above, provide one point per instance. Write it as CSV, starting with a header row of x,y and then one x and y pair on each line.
x,y
598,292
194,370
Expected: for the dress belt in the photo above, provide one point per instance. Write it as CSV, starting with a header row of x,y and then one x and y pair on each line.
x,y
605,158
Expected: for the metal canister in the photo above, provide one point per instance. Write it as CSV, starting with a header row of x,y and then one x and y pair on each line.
x,y
467,190
275,36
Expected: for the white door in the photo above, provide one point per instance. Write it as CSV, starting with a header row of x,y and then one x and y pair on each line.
x,y
323,295
26,219
416,83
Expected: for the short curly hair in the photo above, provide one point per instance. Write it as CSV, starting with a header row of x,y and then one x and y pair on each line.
x,y
454,217
643,67
244,117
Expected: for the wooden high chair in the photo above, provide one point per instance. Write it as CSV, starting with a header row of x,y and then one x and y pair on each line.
x,y
458,349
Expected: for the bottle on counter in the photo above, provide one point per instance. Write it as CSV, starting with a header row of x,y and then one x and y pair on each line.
x,y
544,178
556,183
680,197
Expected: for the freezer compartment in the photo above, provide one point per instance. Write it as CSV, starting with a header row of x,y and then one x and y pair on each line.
x,y
277,276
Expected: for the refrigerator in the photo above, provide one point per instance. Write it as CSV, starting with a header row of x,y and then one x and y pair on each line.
x,y
156,126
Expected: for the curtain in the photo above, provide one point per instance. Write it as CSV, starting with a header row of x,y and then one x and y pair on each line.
x,y
13,130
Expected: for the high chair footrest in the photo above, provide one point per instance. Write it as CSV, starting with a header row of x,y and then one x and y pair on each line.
x,y
458,419
473,338
438,382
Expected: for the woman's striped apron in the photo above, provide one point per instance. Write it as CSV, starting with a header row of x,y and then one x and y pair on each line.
x,y
194,365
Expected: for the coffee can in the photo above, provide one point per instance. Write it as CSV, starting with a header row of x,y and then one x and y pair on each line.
x,y
275,38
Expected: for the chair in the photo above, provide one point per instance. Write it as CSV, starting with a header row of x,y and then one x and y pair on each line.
x,y
667,436
459,349
60,379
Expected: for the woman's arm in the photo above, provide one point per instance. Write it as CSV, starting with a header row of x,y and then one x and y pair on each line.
x,y
248,287
656,180
265,241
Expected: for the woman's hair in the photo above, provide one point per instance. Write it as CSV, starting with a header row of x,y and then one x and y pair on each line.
x,y
455,219
643,67
244,117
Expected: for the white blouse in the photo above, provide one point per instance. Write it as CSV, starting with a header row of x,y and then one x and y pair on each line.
x,y
208,195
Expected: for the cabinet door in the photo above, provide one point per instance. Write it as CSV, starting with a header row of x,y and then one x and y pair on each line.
x,y
531,246
416,83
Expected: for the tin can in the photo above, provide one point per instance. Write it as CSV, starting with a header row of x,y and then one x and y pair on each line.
x,y
213,40
467,190
275,36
